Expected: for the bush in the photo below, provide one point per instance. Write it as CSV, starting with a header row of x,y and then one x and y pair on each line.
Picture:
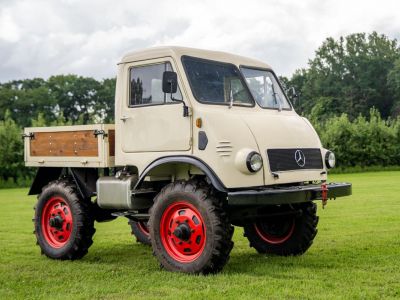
x,y
11,152
362,142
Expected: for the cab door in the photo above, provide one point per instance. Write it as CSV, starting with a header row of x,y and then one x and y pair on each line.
x,y
150,120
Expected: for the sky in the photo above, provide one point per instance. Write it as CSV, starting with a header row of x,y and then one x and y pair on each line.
x,y
40,38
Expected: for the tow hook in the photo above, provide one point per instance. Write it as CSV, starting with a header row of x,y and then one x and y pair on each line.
x,y
324,195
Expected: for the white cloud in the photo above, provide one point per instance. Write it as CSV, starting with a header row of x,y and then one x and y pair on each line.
x,y
9,31
44,37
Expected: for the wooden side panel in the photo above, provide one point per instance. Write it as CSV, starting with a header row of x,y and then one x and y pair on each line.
x,y
111,142
65,143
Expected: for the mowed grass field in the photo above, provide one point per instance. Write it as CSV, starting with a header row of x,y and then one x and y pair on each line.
x,y
356,254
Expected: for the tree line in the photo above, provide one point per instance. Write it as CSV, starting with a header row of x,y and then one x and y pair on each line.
x,y
350,91
350,75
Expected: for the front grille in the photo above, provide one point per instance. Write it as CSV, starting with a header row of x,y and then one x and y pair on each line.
x,y
294,159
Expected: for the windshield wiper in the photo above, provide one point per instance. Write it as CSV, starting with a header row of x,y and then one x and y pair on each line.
x,y
276,99
230,99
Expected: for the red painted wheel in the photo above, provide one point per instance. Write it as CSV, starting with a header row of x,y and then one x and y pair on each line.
x,y
182,232
64,222
141,231
189,229
143,228
275,232
292,233
57,222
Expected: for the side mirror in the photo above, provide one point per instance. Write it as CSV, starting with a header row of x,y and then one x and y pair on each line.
x,y
170,86
169,82
291,92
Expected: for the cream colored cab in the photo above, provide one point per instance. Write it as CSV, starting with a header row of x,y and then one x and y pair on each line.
x,y
236,107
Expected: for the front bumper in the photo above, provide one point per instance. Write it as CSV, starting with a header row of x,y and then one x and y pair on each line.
x,y
288,195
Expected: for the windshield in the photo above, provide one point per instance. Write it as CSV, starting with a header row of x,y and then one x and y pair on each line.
x,y
216,82
265,88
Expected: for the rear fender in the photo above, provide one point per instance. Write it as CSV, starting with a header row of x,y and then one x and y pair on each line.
x,y
84,178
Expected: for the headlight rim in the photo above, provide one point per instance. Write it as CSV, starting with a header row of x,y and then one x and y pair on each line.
x,y
248,161
328,165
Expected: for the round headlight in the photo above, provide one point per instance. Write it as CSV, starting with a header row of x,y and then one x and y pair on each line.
x,y
254,162
330,159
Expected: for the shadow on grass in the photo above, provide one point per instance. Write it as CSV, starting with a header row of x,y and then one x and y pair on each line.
x,y
120,253
140,256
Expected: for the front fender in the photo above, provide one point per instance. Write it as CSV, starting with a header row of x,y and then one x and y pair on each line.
x,y
216,182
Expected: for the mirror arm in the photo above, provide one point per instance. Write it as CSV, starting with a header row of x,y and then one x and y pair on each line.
x,y
185,107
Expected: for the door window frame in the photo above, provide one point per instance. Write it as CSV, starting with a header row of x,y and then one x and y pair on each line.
x,y
155,61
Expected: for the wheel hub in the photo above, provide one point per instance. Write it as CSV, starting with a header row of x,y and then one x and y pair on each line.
x,y
183,232
56,222
275,231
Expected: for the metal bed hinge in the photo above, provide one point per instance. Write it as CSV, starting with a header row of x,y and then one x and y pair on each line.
x,y
100,132
30,135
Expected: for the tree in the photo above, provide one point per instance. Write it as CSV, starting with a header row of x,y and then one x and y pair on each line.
x,y
351,72
11,149
394,86
24,99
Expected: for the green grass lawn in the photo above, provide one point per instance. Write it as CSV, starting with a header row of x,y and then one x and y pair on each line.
x,y
356,254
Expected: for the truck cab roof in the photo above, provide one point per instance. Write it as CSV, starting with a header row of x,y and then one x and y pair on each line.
x,y
177,52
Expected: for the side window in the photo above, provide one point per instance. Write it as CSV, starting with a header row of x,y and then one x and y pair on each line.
x,y
146,85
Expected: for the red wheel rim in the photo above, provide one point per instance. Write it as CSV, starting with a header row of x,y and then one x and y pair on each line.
x,y
143,227
182,231
275,232
56,222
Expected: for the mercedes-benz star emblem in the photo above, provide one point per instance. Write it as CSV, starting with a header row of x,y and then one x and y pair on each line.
x,y
300,158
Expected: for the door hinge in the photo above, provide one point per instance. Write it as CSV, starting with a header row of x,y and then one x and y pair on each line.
x,y
191,141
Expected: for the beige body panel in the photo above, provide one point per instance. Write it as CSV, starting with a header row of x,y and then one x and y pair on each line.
x,y
70,146
145,134
151,128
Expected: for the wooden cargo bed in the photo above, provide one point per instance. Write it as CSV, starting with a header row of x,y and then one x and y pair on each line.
x,y
70,146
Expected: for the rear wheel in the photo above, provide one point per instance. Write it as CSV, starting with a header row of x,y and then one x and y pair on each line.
x,y
64,225
141,231
284,235
189,229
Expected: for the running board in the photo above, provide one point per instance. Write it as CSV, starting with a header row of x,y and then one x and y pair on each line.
x,y
131,215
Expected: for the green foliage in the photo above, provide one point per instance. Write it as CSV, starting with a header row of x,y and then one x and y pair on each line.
x,y
12,169
354,73
62,99
362,142
393,79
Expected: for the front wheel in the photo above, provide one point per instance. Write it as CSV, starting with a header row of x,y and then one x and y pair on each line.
x,y
189,229
284,235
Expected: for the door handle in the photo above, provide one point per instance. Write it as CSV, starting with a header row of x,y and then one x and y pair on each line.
x,y
124,118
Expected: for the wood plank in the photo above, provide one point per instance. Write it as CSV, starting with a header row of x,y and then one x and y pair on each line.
x,y
111,142
65,143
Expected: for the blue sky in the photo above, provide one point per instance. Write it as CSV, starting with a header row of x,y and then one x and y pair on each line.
x,y
46,37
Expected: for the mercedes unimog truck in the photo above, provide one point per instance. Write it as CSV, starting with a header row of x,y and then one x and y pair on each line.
x,y
203,141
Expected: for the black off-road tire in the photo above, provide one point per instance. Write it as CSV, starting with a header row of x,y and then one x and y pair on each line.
x,y
140,230
81,228
212,228
298,238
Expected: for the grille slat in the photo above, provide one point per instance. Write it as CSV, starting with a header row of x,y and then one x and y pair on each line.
x,y
224,148
284,159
